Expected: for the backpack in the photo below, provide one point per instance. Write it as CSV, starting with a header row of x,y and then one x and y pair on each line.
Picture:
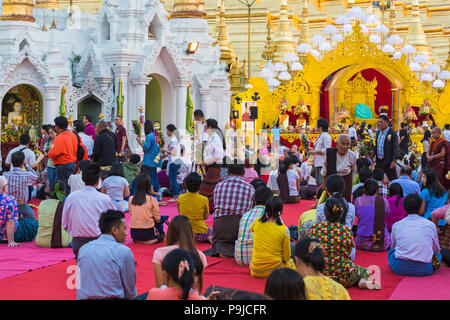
x,y
80,149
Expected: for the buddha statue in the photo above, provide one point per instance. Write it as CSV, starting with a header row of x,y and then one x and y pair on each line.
x,y
17,116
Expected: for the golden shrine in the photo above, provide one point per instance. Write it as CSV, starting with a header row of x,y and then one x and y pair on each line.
x,y
351,56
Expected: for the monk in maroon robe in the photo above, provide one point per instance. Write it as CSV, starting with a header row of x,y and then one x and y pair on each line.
x,y
439,157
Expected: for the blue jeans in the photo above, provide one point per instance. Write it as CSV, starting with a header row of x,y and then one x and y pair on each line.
x,y
51,172
63,172
173,173
409,267
152,173
26,211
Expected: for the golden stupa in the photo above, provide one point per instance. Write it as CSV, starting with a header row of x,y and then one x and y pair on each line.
x,y
425,23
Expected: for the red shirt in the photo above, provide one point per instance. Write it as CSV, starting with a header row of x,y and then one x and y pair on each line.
x,y
120,133
170,294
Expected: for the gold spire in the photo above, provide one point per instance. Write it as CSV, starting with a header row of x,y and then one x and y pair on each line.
x,y
215,28
304,33
47,4
416,35
188,9
222,37
392,19
284,41
268,52
17,10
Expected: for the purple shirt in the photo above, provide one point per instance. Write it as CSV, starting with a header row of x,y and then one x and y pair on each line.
x,y
415,238
90,130
396,213
365,211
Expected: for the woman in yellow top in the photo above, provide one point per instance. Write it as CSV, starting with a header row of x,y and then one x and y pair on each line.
x,y
271,241
196,207
310,262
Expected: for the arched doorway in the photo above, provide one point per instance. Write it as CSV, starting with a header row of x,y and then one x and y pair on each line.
x,y
89,105
153,101
30,100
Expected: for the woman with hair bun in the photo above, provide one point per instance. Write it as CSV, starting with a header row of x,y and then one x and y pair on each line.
x,y
310,262
337,242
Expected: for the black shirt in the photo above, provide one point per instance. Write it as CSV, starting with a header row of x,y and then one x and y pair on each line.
x,y
105,146
404,144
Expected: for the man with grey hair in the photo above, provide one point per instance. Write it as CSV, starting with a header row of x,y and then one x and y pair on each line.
x,y
105,147
342,161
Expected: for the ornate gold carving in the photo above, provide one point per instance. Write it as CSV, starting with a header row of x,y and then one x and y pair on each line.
x,y
359,90
17,10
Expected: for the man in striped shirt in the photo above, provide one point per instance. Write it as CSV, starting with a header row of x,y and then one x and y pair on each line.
x,y
20,178
243,248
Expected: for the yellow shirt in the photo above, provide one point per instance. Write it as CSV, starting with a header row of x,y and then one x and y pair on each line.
x,y
271,248
306,216
46,215
324,288
196,208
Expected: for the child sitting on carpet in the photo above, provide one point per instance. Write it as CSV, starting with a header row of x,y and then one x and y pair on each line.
x,y
285,284
415,244
310,261
178,273
271,241
179,235
146,224
196,208
288,182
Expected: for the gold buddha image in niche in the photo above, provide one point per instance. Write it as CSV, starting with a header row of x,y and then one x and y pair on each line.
x,y
21,106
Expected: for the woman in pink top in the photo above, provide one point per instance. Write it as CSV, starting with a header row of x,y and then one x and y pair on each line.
x,y
179,235
250,173
395,200
178,274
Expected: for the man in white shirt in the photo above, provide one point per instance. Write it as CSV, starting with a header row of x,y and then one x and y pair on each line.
x,y
87,140
30,156
199,116
82,209
369,130
446,132
321,145
353,134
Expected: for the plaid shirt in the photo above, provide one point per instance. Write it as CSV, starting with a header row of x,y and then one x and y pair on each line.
x,y
243,249
233,196
380,143
383,191
19,180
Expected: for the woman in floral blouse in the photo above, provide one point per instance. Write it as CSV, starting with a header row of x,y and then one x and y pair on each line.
x,y
337,242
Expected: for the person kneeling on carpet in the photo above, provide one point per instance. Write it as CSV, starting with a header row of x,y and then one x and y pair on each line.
x,y
107,269
337,242
271,241
13,229
51,233
196,207
288,182
415,247
310,261
146,224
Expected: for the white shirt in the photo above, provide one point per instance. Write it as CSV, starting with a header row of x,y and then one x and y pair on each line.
x,y
82,210
281,150
76,182
272,182
370,132
292,177
352,133
88,142
213,152
311,180
173,143
446,135
322,143
30,157
185,169
115,187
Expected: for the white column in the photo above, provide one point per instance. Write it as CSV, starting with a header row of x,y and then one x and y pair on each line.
x,y
121,72
51,106
204,102
133,113
181,91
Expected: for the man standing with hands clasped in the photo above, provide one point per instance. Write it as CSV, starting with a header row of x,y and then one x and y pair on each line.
x,y
122,144
386,150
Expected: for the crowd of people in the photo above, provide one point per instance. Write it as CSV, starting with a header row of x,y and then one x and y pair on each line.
x,y
90,178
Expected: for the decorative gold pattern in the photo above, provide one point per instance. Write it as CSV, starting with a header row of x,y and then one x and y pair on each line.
x,y
359,90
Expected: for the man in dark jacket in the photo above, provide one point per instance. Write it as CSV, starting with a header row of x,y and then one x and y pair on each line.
x,y
105,147
387,149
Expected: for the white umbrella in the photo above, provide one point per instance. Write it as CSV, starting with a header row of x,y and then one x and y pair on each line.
x,y
395,39
407,48
284,76
364,28
304,48
315,53
248,86
444,75
330,29
432,68
296,66
317,38
268,65
356,13
388,48
374,38
426,77
279,66
370,19
381,28
420,58
347,28
397,55
272,82
290,57
415,66
266,73
342,19
438,84
325,47
337,37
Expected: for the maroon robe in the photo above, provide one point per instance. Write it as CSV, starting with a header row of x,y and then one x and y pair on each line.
x,y
442,165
